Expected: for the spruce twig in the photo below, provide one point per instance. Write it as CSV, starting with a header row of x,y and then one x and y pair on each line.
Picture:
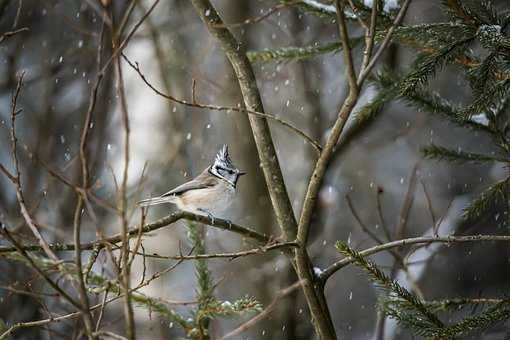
x,y
458,156
400,303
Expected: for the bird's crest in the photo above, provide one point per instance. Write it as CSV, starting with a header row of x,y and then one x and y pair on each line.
x,y
223,158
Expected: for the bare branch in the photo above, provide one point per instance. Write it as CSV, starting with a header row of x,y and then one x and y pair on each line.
x,y
270,164
17,182
163,222
369,38
53,285
346,48
407,204
102,305
362,225
125,263
387,39
429,203
120,47
258,19
135,66
264,314
106,334
322,163
408,241
230,256
9,34
82,195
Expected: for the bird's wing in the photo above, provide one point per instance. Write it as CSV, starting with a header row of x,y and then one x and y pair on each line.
x,y
202,181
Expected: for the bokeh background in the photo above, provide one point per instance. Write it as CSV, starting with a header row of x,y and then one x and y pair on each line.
x,y
175,143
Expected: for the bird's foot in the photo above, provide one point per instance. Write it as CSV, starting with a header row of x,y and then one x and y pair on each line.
x,y
229,223
209,214
273,239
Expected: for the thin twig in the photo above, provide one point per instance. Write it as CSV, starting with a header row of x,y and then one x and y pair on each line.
x,y
18,14
125,18
362,225
17,182
259,18
43,322
135,66
435,228
400,261
96,6
158,224
346,48
6,35
429,203
230,256
92,259
7,173
322,163
138,242
82,290
387,39
125,267
106,334
120,47
369,38
48,280
77,220
24,292
406,206
358,16
102,309
380,213
264,314
408,241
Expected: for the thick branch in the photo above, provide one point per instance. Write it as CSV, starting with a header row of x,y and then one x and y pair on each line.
x,y
270,165
322,163
248,85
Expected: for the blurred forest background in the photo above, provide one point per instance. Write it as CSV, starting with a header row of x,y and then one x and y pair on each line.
x,y
379,172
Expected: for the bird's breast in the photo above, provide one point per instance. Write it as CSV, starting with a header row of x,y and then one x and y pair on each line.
x,y
213,199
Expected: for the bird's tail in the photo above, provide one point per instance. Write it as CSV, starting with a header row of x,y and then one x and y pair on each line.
x,y
153,201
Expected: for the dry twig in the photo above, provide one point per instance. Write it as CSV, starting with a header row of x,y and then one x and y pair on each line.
x,y
135,66
264,314
450,239
9,34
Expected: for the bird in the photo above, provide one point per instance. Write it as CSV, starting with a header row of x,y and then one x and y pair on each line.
x,y
210,193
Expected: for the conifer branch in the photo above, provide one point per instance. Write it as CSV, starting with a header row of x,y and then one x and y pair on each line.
x,y
269,162
458,156
398,295
295,53
204,281
449,239
428,63
495,314
493,200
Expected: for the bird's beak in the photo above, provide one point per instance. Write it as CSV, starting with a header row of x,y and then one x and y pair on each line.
x,y
240,173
